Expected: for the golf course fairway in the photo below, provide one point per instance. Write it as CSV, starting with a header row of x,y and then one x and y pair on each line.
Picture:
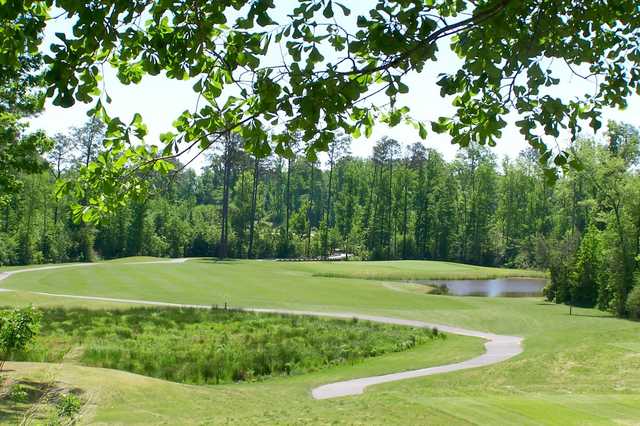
x,y
578,369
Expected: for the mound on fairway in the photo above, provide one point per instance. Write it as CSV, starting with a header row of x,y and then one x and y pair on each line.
x,y
409,270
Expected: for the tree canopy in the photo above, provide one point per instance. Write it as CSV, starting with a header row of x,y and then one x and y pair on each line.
x,y
317,70
20,97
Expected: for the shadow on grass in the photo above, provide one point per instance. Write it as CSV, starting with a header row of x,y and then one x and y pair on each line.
x,y
217,261
602,315
25,401
592,314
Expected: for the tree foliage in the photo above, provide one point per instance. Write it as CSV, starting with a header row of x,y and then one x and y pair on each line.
x,y
316,68
599,256
18,327
20,98
633,303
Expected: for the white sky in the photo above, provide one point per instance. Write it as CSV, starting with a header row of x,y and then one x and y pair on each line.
x,y
161,100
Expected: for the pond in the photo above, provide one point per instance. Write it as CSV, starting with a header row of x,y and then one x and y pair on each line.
x,y
499,287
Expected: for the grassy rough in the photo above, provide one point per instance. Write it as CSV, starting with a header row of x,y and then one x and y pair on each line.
x,y
212,346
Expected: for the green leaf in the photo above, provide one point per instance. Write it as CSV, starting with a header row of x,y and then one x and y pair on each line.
x,y
328,10
345,10
422,131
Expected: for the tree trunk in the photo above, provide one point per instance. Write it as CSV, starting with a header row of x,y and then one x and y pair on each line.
x,y
250,253
367,217
311,182
404,223
243,225
288,201
574,209
6,218
637,251
327,223
223,248
390,209
56,203
425,225
377,225
45,208
627,283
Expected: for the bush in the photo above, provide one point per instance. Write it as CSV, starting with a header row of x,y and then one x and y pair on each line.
x,y
18,327
8,250
633,303
18,393
69,405
439,289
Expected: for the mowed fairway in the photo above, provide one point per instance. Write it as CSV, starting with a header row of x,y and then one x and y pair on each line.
x,y
581,369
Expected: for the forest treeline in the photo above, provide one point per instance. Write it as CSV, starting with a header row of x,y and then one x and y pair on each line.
x,y
398,204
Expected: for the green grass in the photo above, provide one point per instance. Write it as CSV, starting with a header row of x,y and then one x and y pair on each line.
x,y
411,270
16,268
238,283
136,259
575,370
213,346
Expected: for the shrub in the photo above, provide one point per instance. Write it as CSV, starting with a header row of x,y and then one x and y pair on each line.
x,y
8,249
633,303
18,393
68,405
439,289
18,327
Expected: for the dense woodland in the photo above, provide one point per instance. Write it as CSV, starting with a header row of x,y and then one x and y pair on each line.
x,y
399,204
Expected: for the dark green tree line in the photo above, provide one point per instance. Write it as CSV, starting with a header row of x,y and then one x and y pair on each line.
x,y
399,204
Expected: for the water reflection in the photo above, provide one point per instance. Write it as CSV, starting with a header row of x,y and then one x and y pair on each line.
x,y
500,287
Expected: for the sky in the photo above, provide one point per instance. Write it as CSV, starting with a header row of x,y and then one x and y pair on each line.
x,y
160,100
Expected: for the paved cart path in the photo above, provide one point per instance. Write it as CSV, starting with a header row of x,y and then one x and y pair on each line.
x,y
498,347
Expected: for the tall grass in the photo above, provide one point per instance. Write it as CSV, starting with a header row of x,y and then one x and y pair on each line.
x,y
213,346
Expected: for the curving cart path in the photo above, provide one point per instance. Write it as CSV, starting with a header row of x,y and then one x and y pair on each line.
x,y
498,347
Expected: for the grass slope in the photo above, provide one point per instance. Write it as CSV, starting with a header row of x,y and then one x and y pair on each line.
x,y
582,369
